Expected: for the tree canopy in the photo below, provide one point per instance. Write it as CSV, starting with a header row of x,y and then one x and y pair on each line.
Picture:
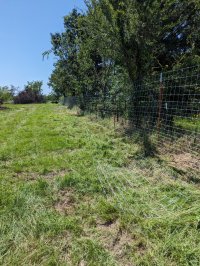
x,y
116,42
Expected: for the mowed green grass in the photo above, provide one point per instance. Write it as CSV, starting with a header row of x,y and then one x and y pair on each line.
x,y
190,124
75,192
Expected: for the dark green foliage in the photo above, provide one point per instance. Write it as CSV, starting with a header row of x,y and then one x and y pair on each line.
x,y
115,44
52,97
6,93
64,78
32,93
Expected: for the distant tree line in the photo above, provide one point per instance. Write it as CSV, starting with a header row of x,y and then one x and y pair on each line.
x,y
32,93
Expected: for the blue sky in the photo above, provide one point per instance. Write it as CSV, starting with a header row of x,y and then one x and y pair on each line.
x,y
25,28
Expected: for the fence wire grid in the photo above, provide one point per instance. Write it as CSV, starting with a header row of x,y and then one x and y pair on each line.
x,y
165,110
167,104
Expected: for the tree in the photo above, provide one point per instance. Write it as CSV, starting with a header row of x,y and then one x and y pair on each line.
x,y
6,93
64,78
111,48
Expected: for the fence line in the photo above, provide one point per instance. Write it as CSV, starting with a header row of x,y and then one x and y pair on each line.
x,y
164,111
166,105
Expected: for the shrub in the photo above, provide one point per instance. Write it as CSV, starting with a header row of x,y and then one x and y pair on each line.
x,y
31,94
6,94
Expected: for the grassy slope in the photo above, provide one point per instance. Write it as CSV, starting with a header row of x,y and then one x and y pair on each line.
x,y
53,210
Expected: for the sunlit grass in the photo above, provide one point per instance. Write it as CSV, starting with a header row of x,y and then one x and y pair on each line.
x,y
53,210
190,123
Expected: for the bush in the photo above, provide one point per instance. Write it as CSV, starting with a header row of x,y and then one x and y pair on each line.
x,y
52,97
6,94
28,96
31,94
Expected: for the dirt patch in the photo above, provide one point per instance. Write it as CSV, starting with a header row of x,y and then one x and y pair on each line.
x,y
66,202
53,174
185,161
118,242
82,263
26,175
2,108
34,176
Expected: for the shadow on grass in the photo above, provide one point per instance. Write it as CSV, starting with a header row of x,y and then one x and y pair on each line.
x,y
3,108
143,138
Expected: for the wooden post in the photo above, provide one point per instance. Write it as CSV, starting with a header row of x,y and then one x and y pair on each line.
x,y
114,119
160,103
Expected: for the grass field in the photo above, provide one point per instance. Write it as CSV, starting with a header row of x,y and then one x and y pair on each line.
x,y
53,210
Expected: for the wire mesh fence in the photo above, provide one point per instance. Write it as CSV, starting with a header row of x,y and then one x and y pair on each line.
x,y
164,110
166,105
